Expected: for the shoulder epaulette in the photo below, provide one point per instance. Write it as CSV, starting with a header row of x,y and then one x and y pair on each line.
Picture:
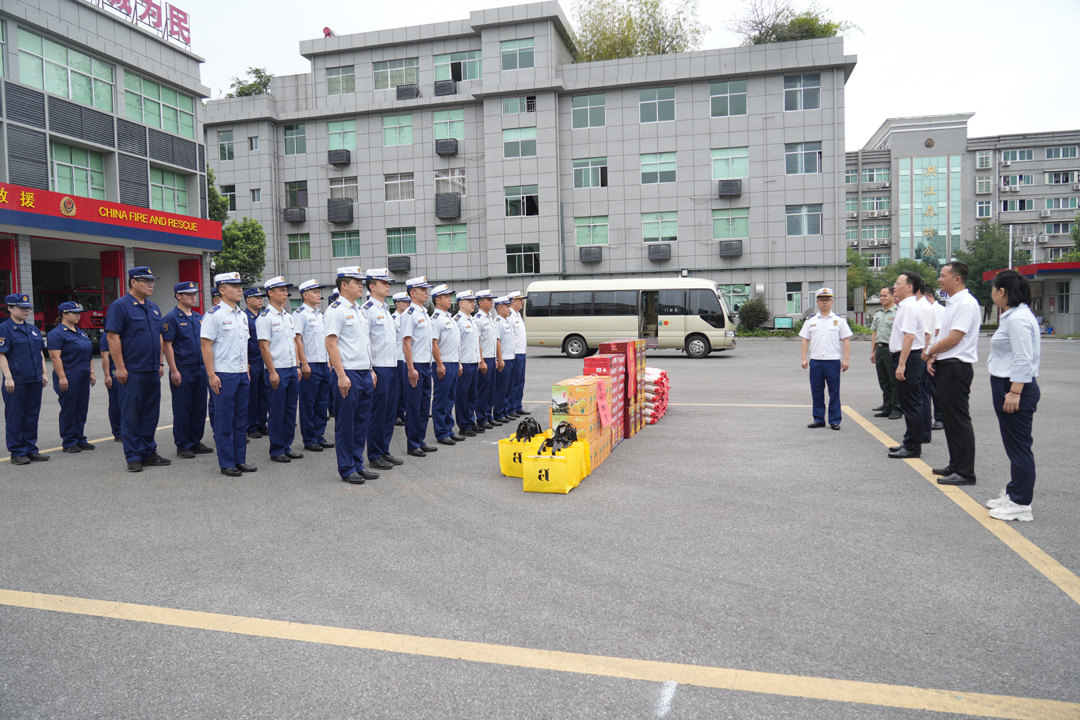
x,y
458,316
368,305
214,309
411,308
335,303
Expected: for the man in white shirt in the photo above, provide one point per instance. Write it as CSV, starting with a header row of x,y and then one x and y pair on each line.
x,y
521,343
906,344
822,335
932,312
280,348
314,368
950,361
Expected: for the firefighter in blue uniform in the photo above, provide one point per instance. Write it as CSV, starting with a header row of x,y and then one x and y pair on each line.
x,y
22,362
314,368
134,326
224,339
72,354
446,349
383,338
108,372
258,392
465,409
281,353
181,339
401,304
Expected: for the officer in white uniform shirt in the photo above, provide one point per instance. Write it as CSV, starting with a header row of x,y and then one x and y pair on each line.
x,y
314,368
931,408
465,405
349,346
383,335
489,358
280,349
401,304
504,373
517,323
224,339
446,349
906,343
827,337
416,336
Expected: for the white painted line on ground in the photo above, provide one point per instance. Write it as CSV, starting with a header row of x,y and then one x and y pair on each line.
x,y
667,694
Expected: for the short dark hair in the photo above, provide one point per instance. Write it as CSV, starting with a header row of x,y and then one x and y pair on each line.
x,y
959,269
888,289
340,283
1016,286
915,280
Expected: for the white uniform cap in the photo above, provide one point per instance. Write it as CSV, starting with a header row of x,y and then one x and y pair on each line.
x,y
401,297
230,278
310,285
441,290
352,271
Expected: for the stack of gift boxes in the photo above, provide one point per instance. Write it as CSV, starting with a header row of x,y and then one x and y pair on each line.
x,y
583,401
613,366
634,352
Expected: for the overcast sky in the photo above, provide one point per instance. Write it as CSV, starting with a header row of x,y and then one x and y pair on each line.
x,y
1013,64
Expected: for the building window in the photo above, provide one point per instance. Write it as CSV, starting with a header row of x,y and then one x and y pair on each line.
x,y
878,261
517,54
878,202
229,193
803,220
256,195
984,184
523,259
340,80
657,104
401,241
399,187
1055,253
168,191
1063,297
253,143
983,160
982,209
591,230
588,110
225,145
870,175
295,139
728,98
1017,205
397,130
590,172
1061,153
875,232
851,176
1009,180
1017,155
660,227
60,70
458,66
345,244
341,135
730,163
851,204
1059,228
853,233
515,105
1061,178
344,188
299,246
794,298
76,171
519,142
296,194
802,92
451,238
1065,203
802,158
522,200
658,168
3,47
731,224
158,106
450,124
392,73
450,181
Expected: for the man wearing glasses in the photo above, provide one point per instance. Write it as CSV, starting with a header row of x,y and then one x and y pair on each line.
x,y
133,324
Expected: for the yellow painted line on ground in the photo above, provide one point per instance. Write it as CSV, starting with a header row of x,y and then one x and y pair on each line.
x,y
1054,571
864,693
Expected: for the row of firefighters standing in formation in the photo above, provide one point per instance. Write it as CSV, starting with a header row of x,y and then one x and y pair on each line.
x,y
254,368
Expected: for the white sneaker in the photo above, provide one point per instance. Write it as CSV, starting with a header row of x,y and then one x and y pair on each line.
x,y
998,501
1011,511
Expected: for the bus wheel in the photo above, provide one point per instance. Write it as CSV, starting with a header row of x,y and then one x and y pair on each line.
x,y
575,347
697,346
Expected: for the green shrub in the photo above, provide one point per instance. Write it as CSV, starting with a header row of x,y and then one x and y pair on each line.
x,y
754,313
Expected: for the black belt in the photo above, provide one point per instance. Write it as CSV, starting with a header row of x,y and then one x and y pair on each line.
x,y
883,344
946,361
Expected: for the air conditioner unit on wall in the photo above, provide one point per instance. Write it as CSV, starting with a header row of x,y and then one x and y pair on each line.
x,y
1043,239
1076,187
886,186
1006,163
873,213
883,213
1014,188
872,243
1027,239
1044,213
853,214
854,243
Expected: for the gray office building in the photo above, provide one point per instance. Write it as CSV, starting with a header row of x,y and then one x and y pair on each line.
x,y
479,154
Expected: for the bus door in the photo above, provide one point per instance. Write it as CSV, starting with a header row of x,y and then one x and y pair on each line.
x,y
647,319
671,310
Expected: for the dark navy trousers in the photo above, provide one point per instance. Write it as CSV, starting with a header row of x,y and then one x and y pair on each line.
x,y
418,406
114,408
74,403
22,407
1016,436
519,383
258,397
402,387
485,392
442,401
910,392
351,414
230,407
503,382
282,410
383,412
822,373
140,408
189,407
314,401
465,405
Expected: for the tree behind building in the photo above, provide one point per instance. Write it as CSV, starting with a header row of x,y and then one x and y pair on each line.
x,y
614,29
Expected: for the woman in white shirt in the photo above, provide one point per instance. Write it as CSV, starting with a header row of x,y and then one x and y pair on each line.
x,y
1013,366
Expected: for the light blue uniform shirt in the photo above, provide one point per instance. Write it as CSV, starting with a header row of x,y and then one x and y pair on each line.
x,y
229,331
488,337
1016,346
382,333
397,328
470,338
506,337
309,326
348,323
445,330
276,327
416,324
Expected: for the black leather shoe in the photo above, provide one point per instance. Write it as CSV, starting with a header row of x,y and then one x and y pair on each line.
x,y
896,416
457,438
86,446
815,425
447,441
326,443
835,426
264,430
367,474
399,422
185,453
254,434
393,460
37,457
498,421
134,466
879,408
486,425
523,412
202,449
293,455
247,468
280,459
504,420
895,448
118,439
947,470
313,448
478,428
417,452
429,448
231,472
380,464
938,426
884,413
905,453
468,432
955,479
155,460
354,479
20,460
72,449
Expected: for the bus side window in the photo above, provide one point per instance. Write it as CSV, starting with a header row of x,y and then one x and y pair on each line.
x,y
672,302
561,304
615,302
705,305
581,303
537,304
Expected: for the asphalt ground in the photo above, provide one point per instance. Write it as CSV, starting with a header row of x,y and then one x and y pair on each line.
x,y
725,563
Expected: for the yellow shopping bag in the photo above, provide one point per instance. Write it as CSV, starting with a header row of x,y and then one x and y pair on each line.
x,y
556,471
512,451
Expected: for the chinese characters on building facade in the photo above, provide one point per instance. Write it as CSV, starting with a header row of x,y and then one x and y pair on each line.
x,y
163,18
